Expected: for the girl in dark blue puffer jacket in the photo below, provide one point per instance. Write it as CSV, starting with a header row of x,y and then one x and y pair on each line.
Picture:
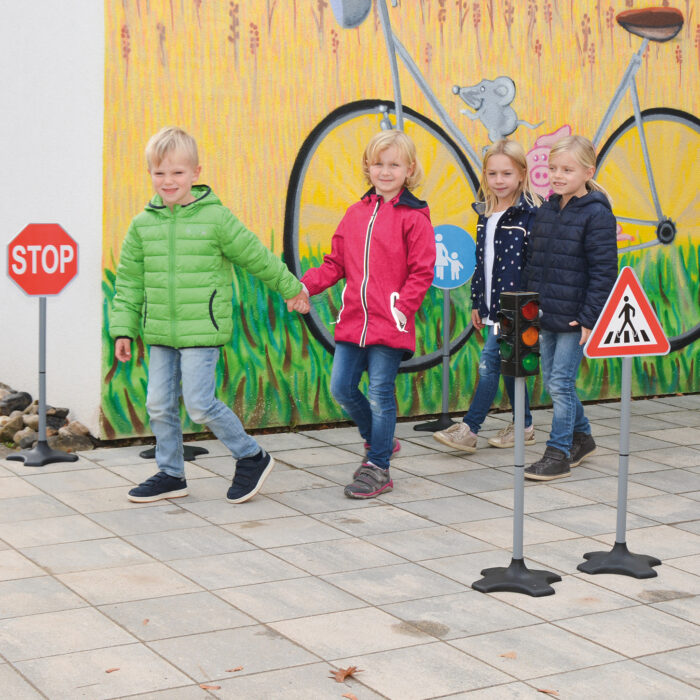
x,y
572,263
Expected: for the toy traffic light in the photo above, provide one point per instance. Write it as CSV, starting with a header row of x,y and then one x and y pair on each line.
x,y
519,336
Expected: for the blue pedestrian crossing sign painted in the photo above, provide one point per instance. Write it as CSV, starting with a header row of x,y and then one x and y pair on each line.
x,y
455,257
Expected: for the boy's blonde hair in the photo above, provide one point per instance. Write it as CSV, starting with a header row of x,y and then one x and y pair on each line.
x,y
516,153
170,139
583,151
385,139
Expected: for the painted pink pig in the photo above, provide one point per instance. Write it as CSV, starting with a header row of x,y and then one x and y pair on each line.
x,y
538,156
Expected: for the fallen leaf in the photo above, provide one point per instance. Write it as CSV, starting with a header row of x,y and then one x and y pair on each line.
x,y
350,696
510,655
341,674
204,686
111,670
233,670
145,622
548,691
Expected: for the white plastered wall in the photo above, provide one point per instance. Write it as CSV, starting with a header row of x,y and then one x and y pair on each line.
x,y
51,128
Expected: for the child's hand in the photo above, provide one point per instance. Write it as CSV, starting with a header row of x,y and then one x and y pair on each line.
x,y
476,320
585,332
122,349
299,303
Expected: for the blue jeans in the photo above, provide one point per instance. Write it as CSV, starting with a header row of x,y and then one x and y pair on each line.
x,y
195,369
489,374
561,356
374,414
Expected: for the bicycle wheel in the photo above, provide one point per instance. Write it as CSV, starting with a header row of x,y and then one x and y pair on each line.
x,y
326,179
663,250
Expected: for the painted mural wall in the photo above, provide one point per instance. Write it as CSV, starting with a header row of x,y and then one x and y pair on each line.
x,y
282,98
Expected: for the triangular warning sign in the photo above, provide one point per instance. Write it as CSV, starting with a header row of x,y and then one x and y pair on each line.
x,y
628,325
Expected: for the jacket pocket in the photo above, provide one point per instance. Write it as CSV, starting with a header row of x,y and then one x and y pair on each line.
x,y
145,308
342,305
211,310
399,319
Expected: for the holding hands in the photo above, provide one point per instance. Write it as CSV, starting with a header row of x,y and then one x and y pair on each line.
x,y
299,303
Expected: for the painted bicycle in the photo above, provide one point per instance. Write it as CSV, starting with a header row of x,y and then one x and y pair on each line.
x,y
657,211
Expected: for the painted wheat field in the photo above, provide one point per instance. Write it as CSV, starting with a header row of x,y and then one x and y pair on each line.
x,y
251,79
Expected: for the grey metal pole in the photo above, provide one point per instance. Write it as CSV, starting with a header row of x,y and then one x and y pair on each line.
x,y
519,454
623,471
445,350
42,369
393,64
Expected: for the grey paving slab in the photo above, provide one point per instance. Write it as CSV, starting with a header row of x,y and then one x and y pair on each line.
x,y
391,584
214,655
206,489
372,520
16,687
291,598
299,683
41,594
629,679
334,436
603,489
190,692
68,528
459,614
279,442
435,463
139,471
689,401
530,652
194,542
651,407
635,631
669,480
590,520
610,464
662,541
100,500
679,436
680,418
669,508
76,481
32,508
428,543
235,569
18,468
564,555
681,664
498,532
176,616
690,564
425,671
84,674
455,509
14,565
475,481
466,568
331,557
222,512
293,480
314,456
168,516
15,487
341,474
47,634
340,634
602,411
80,556
416,488
543,497
279,532
508,691
690,527
122,583
638,443
673,456
685,608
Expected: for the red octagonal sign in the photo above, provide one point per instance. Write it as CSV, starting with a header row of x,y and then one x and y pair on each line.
x,y
42,259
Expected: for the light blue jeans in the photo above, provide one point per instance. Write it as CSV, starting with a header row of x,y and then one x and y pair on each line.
x,y
374,414
489,376
561,356
192,372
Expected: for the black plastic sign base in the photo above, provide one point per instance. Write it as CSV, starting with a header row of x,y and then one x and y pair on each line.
x,y
442,423
41,454
190,452
619,560
518,579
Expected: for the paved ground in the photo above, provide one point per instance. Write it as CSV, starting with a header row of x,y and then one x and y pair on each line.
x,y
196,598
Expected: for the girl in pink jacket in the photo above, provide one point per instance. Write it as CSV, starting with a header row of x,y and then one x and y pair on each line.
x,y
384,248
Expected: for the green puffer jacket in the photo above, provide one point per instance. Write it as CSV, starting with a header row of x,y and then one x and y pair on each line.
x,y
175,268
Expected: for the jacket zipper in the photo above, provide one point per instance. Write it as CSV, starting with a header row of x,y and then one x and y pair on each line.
x,y
365,278
211,310
171,276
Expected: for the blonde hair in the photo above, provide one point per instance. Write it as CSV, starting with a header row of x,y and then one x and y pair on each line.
x,y
385,139
583,151
170,139
516,153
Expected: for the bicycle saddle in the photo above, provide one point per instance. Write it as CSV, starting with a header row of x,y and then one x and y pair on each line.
x,y
653,23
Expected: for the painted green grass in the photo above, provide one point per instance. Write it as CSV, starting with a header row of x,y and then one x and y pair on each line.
x,y
274,373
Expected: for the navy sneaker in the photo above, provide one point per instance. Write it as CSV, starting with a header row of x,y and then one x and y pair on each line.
x,y
250,474
157,487
369,481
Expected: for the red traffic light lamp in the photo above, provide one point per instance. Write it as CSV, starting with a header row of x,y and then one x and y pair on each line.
x,y
519,335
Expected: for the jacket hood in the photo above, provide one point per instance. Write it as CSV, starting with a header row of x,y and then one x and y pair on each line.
x,y
592,197
202,195
522,204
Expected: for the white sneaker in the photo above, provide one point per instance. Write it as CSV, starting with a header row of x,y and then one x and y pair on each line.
x,y
506,437
458,436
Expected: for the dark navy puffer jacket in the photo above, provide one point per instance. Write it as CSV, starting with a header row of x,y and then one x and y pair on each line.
x,y
509,243
571,260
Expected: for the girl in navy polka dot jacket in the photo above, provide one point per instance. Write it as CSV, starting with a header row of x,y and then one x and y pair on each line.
x,y
506,209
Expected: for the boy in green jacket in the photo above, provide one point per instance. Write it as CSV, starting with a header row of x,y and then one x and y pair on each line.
x,y
175,269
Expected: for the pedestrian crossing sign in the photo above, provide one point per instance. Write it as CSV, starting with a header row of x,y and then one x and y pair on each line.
x,y
628,325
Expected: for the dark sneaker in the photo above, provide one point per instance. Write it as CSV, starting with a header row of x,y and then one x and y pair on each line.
x,y
583,446
158,486
554,464
369,481
250,474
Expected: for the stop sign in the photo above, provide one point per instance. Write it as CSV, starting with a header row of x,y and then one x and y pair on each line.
x,y
42,259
